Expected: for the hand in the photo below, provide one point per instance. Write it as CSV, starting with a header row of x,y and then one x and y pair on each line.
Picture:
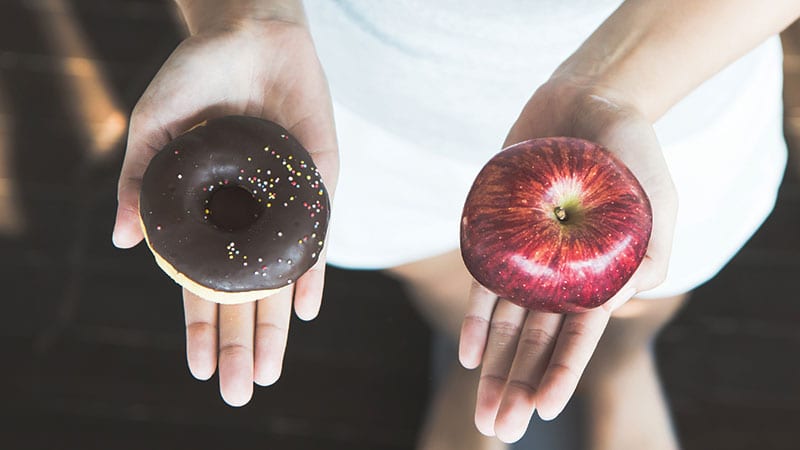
x,y
534,360
266,69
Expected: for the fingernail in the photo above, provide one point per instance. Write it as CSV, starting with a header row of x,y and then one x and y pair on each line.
x,y
118,239
467,360
267,376
306,316
115,232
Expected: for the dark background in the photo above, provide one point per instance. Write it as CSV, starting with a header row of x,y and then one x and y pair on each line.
x,y
92,338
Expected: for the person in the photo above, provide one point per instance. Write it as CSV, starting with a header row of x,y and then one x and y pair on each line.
x,y
686,93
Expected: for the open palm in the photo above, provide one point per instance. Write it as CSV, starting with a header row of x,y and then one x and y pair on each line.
x,y
268,70
534,360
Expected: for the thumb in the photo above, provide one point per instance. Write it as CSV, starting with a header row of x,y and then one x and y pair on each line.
x,y
127,231
143,144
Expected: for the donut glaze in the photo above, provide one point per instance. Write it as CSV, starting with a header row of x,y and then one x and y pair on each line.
x,y
235,206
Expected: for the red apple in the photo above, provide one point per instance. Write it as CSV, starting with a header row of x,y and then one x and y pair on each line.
x,y
555,224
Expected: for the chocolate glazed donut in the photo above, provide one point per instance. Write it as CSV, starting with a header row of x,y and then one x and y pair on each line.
x,y
235,209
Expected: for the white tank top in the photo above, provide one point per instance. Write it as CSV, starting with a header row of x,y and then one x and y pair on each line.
x,y
425,92
480,59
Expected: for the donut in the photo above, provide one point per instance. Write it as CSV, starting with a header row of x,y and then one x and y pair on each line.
x,y
234,210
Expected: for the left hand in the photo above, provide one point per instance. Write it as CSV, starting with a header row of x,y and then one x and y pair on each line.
x,y
534,360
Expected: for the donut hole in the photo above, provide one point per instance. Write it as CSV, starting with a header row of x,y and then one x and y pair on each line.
x,y
232,208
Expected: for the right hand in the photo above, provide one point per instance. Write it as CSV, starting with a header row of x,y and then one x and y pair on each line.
x,y
261,68
533,360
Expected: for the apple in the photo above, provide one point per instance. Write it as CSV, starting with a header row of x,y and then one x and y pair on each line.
x,y
555,224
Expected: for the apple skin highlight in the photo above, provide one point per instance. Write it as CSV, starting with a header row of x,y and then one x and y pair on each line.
x,y
555,224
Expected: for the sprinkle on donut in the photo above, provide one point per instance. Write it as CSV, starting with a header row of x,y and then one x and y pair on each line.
x,y
235,205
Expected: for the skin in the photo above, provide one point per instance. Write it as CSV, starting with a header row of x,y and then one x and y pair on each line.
x,y
532,360
624,403
642,60
280,80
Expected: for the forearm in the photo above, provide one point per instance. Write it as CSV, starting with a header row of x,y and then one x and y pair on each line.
x,y
652,53
206,14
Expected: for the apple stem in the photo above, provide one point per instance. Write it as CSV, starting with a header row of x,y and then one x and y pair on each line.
x,y
561,213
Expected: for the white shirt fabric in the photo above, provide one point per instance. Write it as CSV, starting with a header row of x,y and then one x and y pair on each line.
x,y
425,92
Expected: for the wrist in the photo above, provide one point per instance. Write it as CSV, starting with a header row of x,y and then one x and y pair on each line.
x,y
653,53
204,16
580,97
611,76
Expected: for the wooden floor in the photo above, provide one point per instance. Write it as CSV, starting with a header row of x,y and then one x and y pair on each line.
x,y
92,337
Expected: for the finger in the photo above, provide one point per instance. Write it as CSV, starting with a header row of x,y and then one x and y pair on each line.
x,y
163,112
308,292
535,347
272,330
632,139
575,344
625,293
201,335
475,328
141,148
500,349
236,328
650,274
127,230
